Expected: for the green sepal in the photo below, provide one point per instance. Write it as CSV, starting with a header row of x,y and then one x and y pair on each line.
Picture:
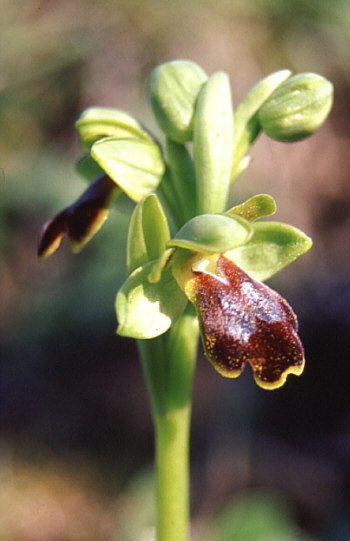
x,y
212,233
98,122
297,108
145,309
173,91
135,165
272,247
247,127
88,168
254,208
148,233
213,140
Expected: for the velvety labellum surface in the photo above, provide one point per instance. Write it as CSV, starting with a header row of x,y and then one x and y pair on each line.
x,y
242,321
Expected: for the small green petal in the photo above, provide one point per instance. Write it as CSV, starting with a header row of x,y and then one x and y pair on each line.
x,y
148,233
272,246
145,309
135,165
160,264
254,208
212,233
174,88
98,122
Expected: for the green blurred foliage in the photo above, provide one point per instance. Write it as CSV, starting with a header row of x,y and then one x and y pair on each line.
x,y
258,517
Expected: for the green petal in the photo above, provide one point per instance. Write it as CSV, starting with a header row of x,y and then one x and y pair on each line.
x,y
98,122
136,165
212,233
148,233
272,246
146,310
254,208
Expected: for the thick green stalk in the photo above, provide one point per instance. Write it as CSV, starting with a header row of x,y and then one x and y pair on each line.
x,y
168,363
172,474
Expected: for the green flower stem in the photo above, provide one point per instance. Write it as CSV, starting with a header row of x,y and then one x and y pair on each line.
x,y
168,363
172,474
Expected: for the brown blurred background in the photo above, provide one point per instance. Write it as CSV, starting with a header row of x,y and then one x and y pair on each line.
x,y
76,438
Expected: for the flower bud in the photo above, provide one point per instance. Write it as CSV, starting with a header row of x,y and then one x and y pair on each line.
x,y
213,142
297,108
174,88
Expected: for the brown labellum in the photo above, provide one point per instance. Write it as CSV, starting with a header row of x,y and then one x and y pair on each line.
x,y
242,321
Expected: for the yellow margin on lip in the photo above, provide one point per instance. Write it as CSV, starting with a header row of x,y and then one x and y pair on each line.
x,y
296,370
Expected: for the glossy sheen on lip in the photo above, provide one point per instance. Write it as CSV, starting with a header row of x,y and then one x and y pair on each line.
x,y
242,321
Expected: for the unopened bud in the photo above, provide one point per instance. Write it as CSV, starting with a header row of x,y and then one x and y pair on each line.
x,y
174,87
297,108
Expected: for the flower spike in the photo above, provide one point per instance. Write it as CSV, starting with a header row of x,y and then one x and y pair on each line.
x,y
243,320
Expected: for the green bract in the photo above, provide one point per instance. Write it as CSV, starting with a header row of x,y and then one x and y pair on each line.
x,y
173,90
272,246
213,143
98,122
255,98
212,233
135,165
297,108
247,126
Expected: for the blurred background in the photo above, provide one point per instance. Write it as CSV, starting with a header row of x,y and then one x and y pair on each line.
x,y
76,440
